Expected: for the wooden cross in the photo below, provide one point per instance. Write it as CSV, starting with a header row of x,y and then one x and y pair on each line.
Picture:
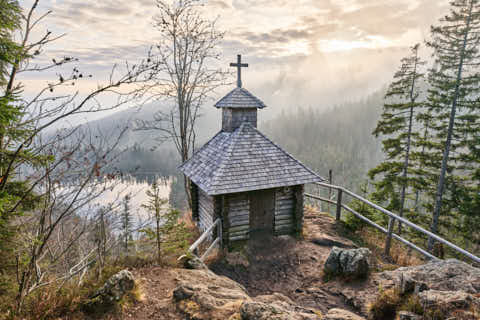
x,y
239,66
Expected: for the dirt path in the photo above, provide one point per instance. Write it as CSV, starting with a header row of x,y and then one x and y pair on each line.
x,y
157,284
292,267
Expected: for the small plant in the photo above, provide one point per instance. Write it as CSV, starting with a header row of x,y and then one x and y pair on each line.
x,y
412,304
385,307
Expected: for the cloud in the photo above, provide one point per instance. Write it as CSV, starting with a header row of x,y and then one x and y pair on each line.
x,y
303,52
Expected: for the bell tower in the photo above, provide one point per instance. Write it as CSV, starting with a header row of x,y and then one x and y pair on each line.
x,y
239,105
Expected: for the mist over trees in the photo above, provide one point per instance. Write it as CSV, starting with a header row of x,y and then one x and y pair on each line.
x,y
337,139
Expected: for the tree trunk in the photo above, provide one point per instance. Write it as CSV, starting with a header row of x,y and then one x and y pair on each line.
x,y
441,181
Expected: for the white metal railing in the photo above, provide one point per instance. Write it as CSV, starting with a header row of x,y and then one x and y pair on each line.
x,y
392,218
194,247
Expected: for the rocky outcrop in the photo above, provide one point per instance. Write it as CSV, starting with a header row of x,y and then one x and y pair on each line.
x,y
350,263
201,294
447,301
451,277
340,314
275,307
448,275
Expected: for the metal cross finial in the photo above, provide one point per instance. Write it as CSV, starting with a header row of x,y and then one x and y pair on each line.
x,y
239,66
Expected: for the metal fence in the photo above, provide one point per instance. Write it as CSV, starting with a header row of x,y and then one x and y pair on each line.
x,y
194,248
392,218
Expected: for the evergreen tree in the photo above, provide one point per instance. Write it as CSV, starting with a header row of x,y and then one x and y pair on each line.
x,y
156,206
126,222
453,101
396,126
9,50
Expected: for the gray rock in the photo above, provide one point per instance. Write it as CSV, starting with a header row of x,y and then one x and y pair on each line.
x,y
352,262
111,292
405,315
446,275
340,314
446,300
275,307
406,284
116,287
194,263
261,311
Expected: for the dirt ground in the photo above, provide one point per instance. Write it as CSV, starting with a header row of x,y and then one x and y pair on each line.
x,y
280,264
293,267
156,286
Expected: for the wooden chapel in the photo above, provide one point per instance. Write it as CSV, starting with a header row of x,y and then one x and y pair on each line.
x,y
243,178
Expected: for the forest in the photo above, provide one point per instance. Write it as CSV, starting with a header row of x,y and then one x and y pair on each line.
x,y
412,146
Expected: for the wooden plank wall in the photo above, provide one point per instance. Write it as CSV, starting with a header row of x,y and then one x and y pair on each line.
x,y
205,210
238,216
284,211
194,193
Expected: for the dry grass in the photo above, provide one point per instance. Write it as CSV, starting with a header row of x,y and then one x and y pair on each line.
x,y
400,255
385,306
187,219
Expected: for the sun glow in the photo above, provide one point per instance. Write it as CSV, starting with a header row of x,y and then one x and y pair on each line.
x,y
370,42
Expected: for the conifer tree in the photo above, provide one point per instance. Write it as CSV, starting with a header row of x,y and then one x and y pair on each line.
x,y
396,126
156,206
453,101
126,222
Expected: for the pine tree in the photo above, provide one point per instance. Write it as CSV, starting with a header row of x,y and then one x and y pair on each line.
x,y
9,22
396,126
156,206
126,222
453,101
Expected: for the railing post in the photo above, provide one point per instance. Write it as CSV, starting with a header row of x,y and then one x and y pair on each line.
x,y
388,241
219,232
339,205
330,181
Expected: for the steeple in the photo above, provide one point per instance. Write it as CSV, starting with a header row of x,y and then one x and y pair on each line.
x,y
239,105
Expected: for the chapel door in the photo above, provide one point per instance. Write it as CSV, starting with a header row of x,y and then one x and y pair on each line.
x,y
262,208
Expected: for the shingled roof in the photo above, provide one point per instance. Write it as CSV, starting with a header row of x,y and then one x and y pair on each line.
x,y
240,98
244,160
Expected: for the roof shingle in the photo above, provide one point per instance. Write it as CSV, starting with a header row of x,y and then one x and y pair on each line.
x,y
244,160
240,98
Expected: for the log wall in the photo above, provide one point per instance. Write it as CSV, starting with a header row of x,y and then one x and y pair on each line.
x,y
205,210
285,211
238,216
194,193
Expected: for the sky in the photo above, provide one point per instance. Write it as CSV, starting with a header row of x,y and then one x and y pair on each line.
x,y
302,53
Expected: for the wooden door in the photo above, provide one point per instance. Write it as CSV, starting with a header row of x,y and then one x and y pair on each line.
x,y
262,208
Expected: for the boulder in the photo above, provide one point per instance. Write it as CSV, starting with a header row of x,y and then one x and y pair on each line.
x,y
203,295
111,292
116,287
192,262
348,262
340,314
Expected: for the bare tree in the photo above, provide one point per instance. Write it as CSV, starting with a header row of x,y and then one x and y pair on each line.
x,y
63,172
187,51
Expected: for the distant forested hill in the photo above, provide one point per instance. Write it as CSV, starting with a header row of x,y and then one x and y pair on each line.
x,y
339,138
